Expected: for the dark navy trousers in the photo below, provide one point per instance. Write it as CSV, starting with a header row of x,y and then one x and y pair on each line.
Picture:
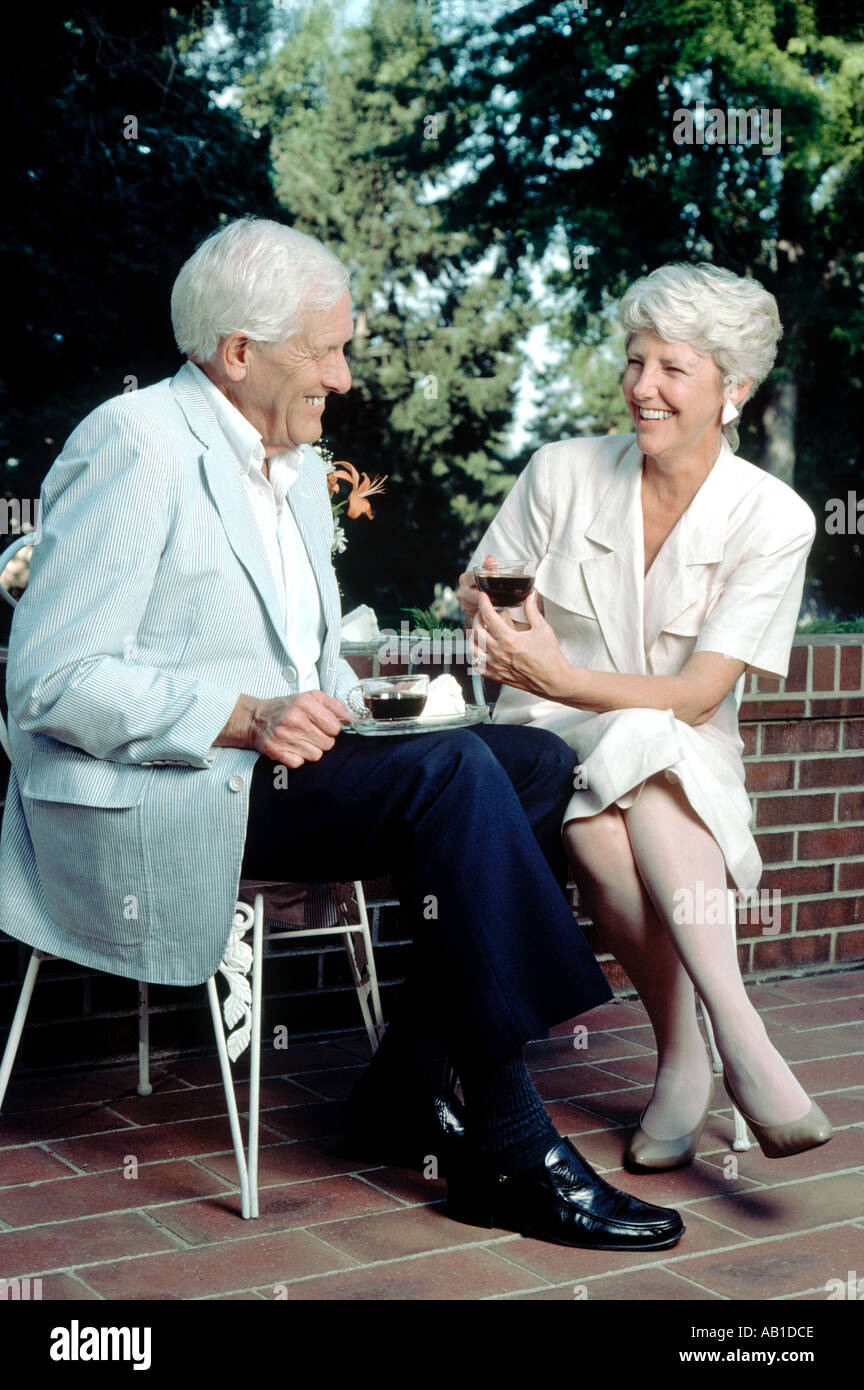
x,y
469,822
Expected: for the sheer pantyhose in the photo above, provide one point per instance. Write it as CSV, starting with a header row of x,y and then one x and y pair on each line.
x,y
640,871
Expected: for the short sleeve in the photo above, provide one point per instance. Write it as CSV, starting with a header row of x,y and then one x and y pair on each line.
x,y
522,527
755,617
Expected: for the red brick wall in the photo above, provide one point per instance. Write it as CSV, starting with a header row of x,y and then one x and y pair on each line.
x,y
805,773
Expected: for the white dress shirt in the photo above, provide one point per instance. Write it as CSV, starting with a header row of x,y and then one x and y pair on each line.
x,y
302,612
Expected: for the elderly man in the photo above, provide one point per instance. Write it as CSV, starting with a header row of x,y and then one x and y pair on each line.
x,y
177,647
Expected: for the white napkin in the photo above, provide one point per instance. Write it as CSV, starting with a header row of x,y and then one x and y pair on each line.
x,y
445,697
360,625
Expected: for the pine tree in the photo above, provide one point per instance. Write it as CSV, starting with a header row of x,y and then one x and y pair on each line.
x,y
358,127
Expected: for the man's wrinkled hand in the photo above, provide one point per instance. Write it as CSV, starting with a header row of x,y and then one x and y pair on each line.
x,y
297,729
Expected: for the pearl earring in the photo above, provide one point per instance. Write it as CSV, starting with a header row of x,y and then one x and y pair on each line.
x,y
730,413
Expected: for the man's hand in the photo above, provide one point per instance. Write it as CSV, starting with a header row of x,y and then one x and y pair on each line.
x,y
294,729
297,729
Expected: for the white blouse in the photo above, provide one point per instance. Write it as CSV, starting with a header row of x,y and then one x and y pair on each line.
x,y
727,579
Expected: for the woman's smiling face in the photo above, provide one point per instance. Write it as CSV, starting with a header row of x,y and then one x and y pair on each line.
x,y
675,396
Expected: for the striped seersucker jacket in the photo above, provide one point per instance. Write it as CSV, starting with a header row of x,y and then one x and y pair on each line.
x,y
150,608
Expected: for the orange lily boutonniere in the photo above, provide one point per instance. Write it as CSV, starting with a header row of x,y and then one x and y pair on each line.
x,y
357,501
362,489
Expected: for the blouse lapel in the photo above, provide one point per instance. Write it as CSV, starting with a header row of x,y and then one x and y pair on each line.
x,y
614,580
677,577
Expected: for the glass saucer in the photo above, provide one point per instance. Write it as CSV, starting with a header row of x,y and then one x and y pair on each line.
x,y
389,728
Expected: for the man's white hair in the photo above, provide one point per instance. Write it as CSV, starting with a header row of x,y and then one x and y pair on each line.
x,y
729,318
253,276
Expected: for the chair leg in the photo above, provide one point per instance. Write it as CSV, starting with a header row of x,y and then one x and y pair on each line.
x,y
230,1098
255,1052
741,1141
18,1021
144,1088
372,993
362,986
365,976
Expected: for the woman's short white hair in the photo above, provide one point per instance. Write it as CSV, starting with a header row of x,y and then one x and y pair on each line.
x,y
253,276
729,318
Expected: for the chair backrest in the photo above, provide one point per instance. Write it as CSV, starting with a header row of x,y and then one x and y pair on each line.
x,y
19,542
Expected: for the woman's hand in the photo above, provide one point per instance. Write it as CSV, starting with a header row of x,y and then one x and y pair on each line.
x,y
527,657
468,593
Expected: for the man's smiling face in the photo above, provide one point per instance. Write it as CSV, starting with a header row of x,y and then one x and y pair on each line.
x,y
282,390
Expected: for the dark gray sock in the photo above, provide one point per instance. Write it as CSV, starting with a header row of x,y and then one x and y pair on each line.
x,y
506,1118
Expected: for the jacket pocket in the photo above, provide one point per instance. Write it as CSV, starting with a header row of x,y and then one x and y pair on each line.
x,y
92,867
95,782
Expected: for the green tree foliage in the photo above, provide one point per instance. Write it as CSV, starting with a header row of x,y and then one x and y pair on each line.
x,y
358,127
446,150
122,164
567,118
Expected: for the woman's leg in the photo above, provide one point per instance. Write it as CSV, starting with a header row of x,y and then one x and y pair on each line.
x,y
676,854
614,896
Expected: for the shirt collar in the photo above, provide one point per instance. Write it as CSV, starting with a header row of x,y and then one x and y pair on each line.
x,y
246,442
241,434
283,471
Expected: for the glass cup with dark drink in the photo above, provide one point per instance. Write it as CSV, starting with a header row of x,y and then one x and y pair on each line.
x,y
394,697
507,585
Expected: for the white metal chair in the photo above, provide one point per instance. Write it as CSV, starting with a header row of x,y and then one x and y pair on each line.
x,y
243,1004
741,1140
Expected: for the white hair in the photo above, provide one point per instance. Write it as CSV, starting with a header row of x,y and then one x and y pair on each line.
x,y
253,276
729,318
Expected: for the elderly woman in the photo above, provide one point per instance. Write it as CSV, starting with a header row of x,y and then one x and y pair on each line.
x,y
666,567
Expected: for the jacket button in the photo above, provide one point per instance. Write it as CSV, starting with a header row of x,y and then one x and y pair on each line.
x,y
290,673
235,782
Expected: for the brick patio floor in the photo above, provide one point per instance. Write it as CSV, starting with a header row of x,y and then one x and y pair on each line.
x,y
331,1228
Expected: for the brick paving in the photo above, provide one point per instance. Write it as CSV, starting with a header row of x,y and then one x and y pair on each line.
x,y
72,1213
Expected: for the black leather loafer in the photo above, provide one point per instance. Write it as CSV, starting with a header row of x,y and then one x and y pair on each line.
x,y
406,1134
560,1200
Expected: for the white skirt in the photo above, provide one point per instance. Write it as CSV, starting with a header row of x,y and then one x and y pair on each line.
x,y
618,750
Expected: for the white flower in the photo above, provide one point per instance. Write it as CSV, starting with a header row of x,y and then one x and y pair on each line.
x,y
325,455
445,605
340,540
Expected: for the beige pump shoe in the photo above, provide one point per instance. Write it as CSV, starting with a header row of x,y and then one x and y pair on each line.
x,y
662,1155
791,1137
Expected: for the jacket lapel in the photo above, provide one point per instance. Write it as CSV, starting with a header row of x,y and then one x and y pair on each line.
x,y
614,580
304,499
677,577
223,479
